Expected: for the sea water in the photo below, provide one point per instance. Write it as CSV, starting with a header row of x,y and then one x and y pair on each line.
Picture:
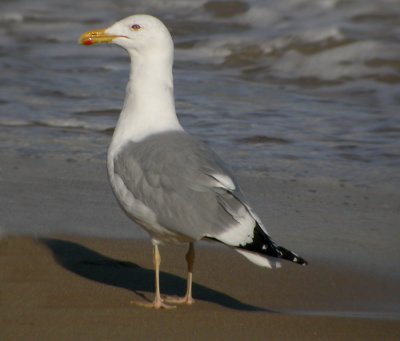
x,y
292,88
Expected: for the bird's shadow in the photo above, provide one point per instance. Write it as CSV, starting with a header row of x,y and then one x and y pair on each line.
x,y
97,267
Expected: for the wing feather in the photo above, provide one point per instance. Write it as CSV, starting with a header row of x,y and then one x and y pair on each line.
x,y
186,185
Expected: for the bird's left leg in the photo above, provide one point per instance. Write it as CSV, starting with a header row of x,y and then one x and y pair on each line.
x,y
158,302
188,299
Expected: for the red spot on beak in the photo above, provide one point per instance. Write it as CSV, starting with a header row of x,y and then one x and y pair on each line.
x,y
87,42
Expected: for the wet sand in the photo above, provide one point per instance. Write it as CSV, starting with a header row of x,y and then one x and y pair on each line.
x,y
68,289
80,263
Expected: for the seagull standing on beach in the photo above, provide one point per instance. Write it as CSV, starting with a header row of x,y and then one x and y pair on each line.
x,y
166,181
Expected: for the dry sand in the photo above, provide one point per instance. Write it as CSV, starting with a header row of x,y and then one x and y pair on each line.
x,y
65,281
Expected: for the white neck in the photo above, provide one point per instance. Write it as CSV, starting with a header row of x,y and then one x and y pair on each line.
x,y
149,105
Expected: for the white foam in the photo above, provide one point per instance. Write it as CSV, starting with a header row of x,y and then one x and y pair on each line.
x,y
335,63
11,17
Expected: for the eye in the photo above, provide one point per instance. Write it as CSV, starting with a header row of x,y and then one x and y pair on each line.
x,y
135,27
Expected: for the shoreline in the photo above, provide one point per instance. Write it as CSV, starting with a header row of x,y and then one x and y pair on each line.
x,y
331,221
72,263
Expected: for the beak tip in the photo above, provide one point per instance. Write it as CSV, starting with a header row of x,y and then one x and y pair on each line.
x,y
95,37
86,41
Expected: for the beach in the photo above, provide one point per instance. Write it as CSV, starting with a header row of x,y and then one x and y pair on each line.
x,y
72,263
299,97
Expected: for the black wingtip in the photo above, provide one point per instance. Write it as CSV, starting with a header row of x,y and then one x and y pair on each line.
x,y
264,245
291,256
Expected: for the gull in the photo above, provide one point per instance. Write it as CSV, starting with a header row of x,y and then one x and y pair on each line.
x,y
166,181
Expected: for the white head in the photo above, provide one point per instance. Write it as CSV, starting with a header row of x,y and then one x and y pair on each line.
x,y
138,34
149,105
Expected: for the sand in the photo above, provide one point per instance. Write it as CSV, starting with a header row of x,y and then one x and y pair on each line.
x,y
71,263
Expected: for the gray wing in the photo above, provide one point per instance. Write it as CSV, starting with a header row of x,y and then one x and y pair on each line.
x,y
184,183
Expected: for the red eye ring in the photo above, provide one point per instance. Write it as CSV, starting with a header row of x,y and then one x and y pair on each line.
x,y
136,27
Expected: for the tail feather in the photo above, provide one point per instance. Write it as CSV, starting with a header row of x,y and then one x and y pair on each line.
x,y
263,245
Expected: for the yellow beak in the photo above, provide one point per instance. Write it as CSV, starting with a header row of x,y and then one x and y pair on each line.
x,y
96,37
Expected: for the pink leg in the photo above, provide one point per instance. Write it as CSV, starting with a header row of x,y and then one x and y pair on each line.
x,y
188,299
158,301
